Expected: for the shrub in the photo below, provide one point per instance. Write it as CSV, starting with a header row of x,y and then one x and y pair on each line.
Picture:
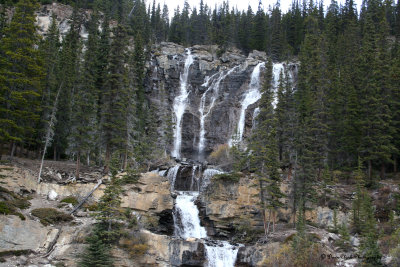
x,y
230,177
91,207
135,244
131,177
71,200
220,155
11,203
51,216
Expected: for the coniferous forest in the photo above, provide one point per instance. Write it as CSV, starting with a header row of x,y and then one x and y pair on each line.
x,y
73,91
64,97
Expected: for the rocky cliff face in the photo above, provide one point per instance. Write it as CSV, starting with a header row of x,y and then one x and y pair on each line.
x,y
216,87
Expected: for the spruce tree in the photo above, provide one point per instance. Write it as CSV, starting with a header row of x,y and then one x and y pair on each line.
x,y
69,65
21,76
264,152
115,96
97,254
83,118
376,142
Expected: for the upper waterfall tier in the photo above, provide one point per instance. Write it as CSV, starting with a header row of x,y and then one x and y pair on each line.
x,y
200,96
179,106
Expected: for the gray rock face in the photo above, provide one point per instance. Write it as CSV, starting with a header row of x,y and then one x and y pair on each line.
x,y
222,102
24,235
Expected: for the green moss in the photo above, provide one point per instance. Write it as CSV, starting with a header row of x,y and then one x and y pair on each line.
x,y
5,209
14,252
11,203
230,177
51,216
71,200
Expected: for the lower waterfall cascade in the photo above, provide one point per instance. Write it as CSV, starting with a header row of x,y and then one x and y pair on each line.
x,y
187,223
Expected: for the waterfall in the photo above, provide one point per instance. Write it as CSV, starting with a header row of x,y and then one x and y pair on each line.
x,y
221,254
188,215
195,179
277,68
180,102
251,97
171,175
187,224
213,87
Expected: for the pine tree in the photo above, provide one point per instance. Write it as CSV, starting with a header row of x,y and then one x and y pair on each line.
x,y
69,67
369,233
115,97
97,254
376,142
264,152
311,110
83,118
21,76
258,40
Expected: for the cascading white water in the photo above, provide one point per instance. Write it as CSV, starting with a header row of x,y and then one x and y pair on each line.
x,y
195,179
255,114
214,88
188,214
180,102
277,68
222,254
187,224
251,97
171,175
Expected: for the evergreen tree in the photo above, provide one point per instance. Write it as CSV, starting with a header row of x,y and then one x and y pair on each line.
x,y
69,65
115,96
311,136
97,254
21,76
258,41
376,142
264,152
83,118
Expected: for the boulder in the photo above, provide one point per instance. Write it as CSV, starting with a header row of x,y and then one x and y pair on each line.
x,y
150,193
29,235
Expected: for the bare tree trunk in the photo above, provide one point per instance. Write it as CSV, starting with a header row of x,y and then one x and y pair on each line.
x,y
99,182
273,221
78,161
370,170
50,133
1,150
125,163
107,160
88,158
264,222
55,152
13,146
269,221
294,193
289,176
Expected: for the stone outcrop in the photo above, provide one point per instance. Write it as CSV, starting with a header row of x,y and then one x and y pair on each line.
x,y
24,235
225,204
150,194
